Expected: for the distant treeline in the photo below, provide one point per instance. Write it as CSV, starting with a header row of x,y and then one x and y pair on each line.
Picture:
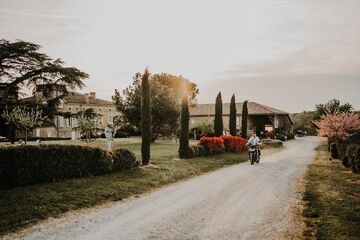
x,y
303,121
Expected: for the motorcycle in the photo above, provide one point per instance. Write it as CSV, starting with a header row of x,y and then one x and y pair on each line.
x,y
254,154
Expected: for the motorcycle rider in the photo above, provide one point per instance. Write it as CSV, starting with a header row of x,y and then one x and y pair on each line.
x,y
254,141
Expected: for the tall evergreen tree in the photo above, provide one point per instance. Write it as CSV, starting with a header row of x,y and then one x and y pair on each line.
x,y
244,118
232,121
184,133
218,122
145,119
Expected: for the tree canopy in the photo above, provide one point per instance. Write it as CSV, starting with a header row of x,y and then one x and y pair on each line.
x,y
165,98
23,67
332,106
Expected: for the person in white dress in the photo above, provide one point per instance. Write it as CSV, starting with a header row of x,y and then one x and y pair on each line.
x,y
109,134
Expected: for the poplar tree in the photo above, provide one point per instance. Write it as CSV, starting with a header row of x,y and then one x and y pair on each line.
x,y
232,120
145,119
244,118
184,132
218,122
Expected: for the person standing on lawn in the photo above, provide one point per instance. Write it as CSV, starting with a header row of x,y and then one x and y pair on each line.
x,y
109,134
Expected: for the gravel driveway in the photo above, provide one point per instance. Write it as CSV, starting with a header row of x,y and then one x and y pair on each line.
x,y
237,202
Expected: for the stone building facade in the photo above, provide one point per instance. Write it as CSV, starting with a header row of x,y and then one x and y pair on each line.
x,y
73,103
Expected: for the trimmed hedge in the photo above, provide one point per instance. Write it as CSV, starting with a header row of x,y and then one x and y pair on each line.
x,y
25,165
196,151
212,145
333,150
124,159
37,138
352,157
234,143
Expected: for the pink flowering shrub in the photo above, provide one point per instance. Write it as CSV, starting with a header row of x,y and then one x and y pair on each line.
x,y
338,125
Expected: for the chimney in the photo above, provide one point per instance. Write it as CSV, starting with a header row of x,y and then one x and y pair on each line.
x,y
92,95
86,98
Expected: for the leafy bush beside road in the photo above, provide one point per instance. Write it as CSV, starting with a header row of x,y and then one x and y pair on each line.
x,y
212,145
216,145
234,143
26,165
124,159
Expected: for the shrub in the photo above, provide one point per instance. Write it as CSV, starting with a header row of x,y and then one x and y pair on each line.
x,y
25,165
234,143
330,141
352,157
201,150
271,143
334,151
270,134
124,159
196,151
192,152
212,145
355,160
290,136
280,137
121,134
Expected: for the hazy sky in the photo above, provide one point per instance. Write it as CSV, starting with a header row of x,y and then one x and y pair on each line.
x,y
289,54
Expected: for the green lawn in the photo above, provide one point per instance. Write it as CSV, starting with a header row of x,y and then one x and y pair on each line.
x,y
332,196
26,205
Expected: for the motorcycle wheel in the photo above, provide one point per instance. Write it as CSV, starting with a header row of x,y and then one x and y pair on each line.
x,y
252,159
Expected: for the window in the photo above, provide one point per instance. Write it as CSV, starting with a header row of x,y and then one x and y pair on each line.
x,y
110,119
61,122
61,104
68,123
74,122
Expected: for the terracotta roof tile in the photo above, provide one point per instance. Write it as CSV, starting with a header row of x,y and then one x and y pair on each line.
x,y
77,98
253,109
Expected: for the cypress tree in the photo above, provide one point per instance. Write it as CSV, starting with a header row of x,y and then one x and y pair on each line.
x,y
244,118
184,132
232,121
218,122
145,119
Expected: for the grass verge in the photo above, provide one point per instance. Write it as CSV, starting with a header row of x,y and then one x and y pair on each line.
x,y
332,199
24,206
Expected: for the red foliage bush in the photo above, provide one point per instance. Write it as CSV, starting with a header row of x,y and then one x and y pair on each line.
x,y
270,134
234,143
212,145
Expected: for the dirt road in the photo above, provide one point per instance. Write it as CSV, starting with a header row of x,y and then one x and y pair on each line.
x,y
238,202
